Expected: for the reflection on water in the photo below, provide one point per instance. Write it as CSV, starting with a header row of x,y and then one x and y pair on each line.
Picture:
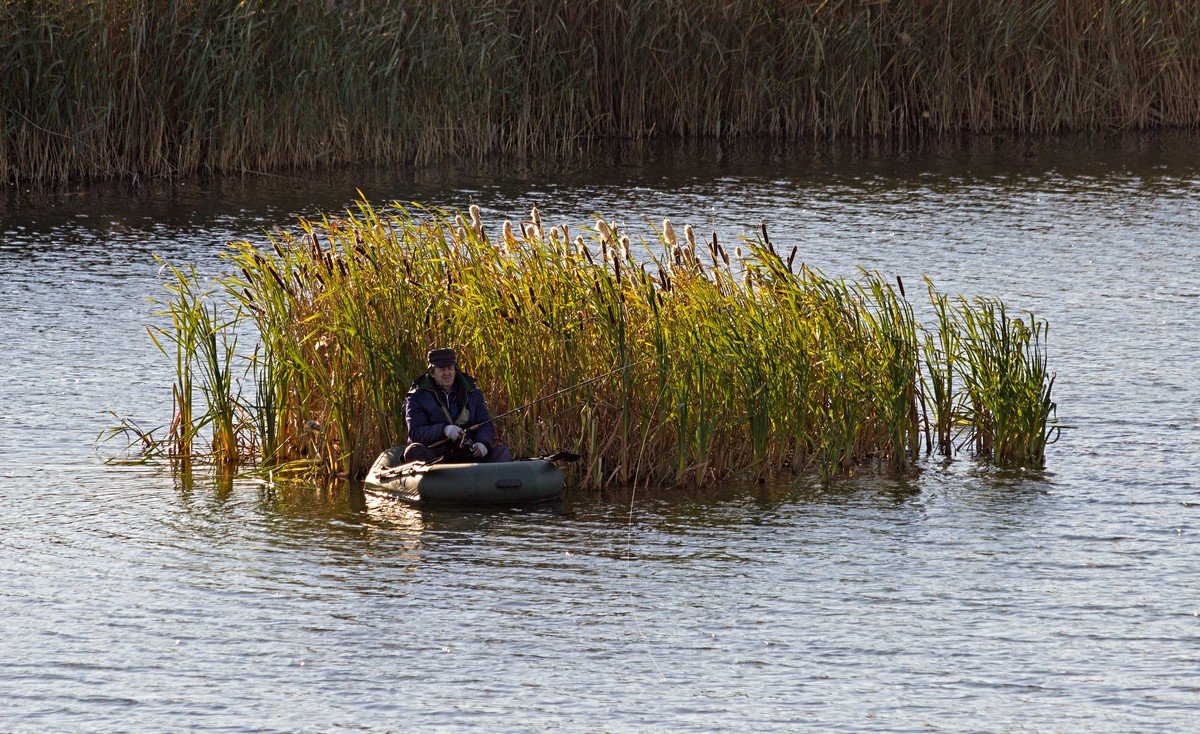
x,y
962,597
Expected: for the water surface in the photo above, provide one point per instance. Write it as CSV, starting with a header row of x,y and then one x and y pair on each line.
x,y
961,599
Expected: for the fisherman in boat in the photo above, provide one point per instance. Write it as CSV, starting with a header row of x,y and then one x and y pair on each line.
x,y
440,409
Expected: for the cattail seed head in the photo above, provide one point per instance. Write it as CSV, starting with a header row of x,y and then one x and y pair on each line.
x,y
690,235
604,230
507,232
536,217
531,232
556,240
624,251
668,232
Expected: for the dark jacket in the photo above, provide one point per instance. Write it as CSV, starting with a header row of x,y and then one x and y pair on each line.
x,y
426,407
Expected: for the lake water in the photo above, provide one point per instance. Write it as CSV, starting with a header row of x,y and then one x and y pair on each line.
x,y
962,599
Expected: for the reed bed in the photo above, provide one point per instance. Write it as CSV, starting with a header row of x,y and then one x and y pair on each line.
x,y
134,89
732,362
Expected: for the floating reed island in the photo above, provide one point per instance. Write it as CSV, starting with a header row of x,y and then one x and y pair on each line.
x,y
720,360
111,88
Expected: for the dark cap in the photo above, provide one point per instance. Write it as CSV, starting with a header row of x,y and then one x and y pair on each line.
x,y
441,357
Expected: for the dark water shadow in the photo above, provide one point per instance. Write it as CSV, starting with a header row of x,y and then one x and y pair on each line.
x,y
620,504
1070,153
342,504
237,203
350,528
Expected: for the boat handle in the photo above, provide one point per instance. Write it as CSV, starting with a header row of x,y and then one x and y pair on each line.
x,y
508,484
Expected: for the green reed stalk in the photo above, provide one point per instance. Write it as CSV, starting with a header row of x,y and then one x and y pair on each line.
x,y
894,349
266,406
204,346
942,350
1007,384
183,340
217,347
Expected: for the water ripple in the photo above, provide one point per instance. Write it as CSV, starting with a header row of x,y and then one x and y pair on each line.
x,y
965,598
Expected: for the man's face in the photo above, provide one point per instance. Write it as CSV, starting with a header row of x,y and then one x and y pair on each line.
x,y
443,377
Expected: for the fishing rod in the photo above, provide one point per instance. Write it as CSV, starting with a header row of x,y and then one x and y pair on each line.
x,y
530,404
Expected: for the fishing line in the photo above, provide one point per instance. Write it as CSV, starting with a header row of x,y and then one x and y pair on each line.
x,y
637,622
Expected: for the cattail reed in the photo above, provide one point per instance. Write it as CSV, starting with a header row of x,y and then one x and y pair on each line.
x,y
476,220
508,239
750,373
605,231
373,91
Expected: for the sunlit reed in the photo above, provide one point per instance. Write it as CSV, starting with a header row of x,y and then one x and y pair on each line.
x,y
760,367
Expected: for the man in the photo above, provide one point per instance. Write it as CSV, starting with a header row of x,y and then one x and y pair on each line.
x,y
440,407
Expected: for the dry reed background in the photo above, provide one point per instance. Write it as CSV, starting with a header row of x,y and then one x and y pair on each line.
x,y
134,88
740,360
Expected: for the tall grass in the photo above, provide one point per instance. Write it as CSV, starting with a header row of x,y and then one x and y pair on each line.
x,y
134,89
1006,380
201,341
731,363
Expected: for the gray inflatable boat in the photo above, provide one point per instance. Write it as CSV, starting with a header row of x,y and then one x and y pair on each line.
x,y
503,483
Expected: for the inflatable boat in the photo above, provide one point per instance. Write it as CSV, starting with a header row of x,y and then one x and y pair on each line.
x,y
502,483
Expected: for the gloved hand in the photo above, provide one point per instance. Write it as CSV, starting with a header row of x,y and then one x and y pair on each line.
x,y
479,449
453,432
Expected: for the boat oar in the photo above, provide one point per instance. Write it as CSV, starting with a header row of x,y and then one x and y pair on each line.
x,y
413,468
407,468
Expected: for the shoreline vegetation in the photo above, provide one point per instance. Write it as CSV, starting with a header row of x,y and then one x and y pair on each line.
x,y
737,359
137,90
